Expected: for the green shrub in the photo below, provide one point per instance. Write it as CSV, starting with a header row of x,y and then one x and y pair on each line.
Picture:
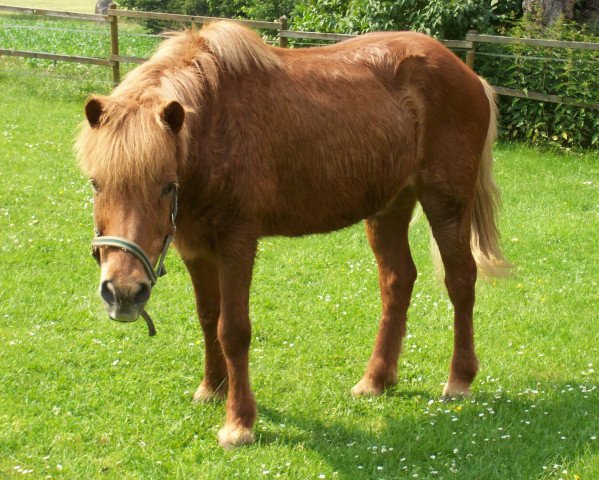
x,y
440,18
564,72
268,9
186,7
255,9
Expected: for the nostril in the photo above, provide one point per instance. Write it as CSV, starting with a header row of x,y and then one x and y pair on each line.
x,y
143,294
107,292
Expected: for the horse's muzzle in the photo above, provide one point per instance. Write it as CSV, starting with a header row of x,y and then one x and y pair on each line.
x,y
124,303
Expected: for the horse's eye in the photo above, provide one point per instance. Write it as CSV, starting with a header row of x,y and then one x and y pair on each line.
x,y
95,185
169,189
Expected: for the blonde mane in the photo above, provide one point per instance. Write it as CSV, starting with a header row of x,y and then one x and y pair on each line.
x,y
131,144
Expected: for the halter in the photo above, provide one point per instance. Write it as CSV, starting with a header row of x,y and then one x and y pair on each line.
x,y
138,252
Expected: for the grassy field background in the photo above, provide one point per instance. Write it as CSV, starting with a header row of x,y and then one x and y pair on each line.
x,y
82,6
68,37
83,397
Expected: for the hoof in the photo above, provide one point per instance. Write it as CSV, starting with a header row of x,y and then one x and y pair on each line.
x,y
366,387
456,390
204,393
231,436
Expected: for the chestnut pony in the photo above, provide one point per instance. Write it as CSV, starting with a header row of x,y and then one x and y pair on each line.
x,y
255,141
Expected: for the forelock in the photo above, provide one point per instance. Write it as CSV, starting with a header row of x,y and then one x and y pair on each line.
x,y
130,149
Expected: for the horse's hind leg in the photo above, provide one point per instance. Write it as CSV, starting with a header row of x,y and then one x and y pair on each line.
x,y
450,220
388,237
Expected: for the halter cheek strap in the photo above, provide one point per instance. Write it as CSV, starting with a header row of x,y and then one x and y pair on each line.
x,y
138,252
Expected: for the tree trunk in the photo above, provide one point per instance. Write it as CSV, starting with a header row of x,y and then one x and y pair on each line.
x,y
102,6
589,13
549,10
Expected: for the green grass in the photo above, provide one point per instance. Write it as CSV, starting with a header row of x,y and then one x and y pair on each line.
x,y
68,37
82,6
84,397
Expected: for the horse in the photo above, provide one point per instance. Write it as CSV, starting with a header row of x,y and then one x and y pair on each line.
x,y
253,140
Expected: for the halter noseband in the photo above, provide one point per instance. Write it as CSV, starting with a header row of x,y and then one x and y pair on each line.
x,y
138,252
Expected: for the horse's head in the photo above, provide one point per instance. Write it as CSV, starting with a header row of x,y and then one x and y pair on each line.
x,y
130,150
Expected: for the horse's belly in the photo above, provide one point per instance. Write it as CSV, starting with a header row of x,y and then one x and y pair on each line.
x,y
298,225
320,210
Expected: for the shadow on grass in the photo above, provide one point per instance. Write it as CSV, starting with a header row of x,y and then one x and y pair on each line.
x,y
529,435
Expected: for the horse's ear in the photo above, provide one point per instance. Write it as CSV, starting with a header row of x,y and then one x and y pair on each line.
x,y
173,115
93,111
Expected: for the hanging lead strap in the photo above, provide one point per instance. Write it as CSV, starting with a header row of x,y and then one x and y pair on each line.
x,y
149,322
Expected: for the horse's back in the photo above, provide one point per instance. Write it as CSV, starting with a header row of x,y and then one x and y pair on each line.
x,y
345,122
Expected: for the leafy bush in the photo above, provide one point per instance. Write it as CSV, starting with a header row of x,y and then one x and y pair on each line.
x,y
256,9
564,72
269,9
187,7
440,18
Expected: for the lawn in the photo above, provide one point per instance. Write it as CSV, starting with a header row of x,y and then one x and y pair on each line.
x,y
84,397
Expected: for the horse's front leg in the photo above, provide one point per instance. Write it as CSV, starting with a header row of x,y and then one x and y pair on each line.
x,y
236,255
204,275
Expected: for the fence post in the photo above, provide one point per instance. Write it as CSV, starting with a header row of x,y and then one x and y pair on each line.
x,y
282,40
114,45
470,54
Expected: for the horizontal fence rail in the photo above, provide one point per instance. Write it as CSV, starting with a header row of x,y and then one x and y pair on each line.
x,y
175,17
115,59
128,59
533,42
90,17
339,37
331,37
543,97
53,56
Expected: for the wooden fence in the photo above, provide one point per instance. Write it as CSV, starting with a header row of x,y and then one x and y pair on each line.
x,y
114,60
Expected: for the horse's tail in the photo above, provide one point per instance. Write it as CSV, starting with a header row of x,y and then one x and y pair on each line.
x,y
484,238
